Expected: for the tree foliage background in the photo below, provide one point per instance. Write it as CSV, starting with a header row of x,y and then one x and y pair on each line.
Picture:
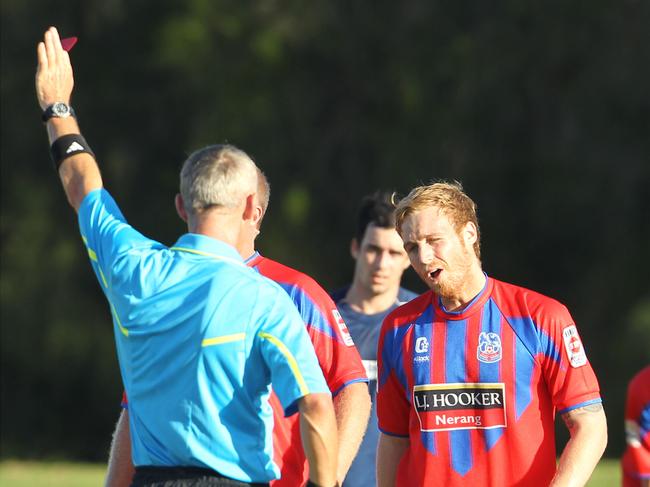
x,y
541,109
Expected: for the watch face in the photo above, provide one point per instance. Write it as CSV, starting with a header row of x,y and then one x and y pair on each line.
x,y
60,110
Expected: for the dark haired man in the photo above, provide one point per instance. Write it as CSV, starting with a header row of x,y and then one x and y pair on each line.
x,y
380,261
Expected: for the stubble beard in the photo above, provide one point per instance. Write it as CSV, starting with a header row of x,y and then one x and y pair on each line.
x,y
451,286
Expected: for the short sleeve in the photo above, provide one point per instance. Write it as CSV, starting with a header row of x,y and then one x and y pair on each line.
x,y
393,408
337,355
568,373
289,354
114,247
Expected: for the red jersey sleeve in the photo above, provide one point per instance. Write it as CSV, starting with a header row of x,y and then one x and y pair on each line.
x,y
636,461
393,407
337,356
566,369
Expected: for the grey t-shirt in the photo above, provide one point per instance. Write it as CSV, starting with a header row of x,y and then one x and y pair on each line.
x,y
364,330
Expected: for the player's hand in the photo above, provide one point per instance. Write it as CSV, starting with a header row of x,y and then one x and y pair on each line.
x,y
54,79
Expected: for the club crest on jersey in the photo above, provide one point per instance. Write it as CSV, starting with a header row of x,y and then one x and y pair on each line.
x,y
345,334
458,406
489,347
573,346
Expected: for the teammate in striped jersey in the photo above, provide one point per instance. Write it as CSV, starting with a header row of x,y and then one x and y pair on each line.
x,y
472,372
337,356
636,459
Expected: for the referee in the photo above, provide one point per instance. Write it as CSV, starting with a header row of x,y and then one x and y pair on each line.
x,y
200,337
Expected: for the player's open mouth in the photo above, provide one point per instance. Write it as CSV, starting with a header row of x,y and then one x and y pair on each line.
x,y
435,273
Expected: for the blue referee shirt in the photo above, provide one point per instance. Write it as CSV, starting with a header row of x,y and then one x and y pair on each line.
x,y
200,337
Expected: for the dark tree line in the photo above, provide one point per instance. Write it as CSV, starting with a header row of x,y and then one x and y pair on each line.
x,y
540,109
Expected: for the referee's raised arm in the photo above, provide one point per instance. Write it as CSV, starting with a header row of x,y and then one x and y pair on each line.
x,y
73,157
192,322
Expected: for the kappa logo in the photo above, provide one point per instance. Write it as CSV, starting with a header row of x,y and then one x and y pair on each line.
x,y
345,334
573,346
489,347
74,147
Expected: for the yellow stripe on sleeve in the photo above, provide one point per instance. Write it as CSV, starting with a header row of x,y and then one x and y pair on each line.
x,y
124,331
304,390
93,256
235,337
102,276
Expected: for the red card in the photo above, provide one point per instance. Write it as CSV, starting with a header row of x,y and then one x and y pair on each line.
x,y
68,43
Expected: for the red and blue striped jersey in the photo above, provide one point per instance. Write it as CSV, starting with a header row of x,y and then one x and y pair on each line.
x,y
636,459
476,391
335,350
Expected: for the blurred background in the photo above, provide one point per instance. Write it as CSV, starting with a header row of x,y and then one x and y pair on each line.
x,y
540,109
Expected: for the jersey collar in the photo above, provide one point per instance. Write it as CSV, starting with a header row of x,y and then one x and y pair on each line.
x,y
476,304
205,246
254,259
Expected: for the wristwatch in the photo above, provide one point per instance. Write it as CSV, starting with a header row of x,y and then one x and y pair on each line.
x,y
59,110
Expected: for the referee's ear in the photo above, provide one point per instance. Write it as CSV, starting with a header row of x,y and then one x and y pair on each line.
x,y
180,207
250,209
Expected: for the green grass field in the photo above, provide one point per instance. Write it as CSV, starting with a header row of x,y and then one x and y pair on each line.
x,y
51,474
61,474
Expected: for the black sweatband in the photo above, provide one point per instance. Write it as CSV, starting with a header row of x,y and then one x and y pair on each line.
x,y
67,146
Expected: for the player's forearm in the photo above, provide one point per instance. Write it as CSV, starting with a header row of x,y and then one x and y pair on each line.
x,y
588,429
390,451
120,464
79,173
352,410
54,82
319,438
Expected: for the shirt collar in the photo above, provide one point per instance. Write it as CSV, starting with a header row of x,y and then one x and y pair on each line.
x,y
195,243
254,259
473,306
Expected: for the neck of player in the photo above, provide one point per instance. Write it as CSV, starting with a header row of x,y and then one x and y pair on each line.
x,y
471,285
363,300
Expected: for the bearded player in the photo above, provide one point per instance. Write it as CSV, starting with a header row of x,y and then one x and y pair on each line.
x,y
472,372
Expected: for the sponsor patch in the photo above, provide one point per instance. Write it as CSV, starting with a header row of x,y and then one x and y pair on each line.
x,y
489,347
573,346
345,334
458,406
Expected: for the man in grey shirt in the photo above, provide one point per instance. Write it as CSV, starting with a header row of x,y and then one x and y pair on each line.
x,y
380,261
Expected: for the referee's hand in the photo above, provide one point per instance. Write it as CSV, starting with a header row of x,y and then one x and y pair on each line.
x,y
54,79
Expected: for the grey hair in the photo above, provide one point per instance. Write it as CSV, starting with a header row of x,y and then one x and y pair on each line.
x,y
217,175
